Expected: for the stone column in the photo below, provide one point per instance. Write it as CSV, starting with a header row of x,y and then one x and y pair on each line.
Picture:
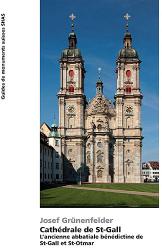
x,y
118,77
122,75
64,80
106,156
79,159
137,70
137,162
119,161
61,75
119,112
62,115
93,159
137,113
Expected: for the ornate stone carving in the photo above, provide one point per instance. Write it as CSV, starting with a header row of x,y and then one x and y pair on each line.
x,y
107,125
99,156
128,82
100,105
119,101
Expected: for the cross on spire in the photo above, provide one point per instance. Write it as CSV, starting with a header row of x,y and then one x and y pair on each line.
x,y
72,17
99,72
127,16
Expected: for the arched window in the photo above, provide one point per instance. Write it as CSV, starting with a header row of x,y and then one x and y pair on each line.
x,y
71,73
129,122
128,73
71,122
99,127
71,88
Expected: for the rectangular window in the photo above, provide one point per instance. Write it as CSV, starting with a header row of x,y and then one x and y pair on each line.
x,y
57,143
57,176
57,165
57,155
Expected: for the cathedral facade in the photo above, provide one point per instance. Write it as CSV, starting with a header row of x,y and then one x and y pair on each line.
x,y
101,140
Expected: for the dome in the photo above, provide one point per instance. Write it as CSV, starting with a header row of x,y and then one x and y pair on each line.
x,y
54,130
128,53
53,125
54,134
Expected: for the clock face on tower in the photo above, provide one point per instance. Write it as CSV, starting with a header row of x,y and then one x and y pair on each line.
x,y
129,110
71,109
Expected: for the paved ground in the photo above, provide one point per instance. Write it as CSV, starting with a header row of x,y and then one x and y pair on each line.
x,y
114,191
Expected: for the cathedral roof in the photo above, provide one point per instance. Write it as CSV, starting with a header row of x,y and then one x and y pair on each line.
x,y
71,53
128,52
100,105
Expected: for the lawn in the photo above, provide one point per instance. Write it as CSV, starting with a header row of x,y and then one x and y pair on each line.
x,y
62,197
141,187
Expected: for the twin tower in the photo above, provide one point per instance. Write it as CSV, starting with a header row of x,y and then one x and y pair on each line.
x,y
100,142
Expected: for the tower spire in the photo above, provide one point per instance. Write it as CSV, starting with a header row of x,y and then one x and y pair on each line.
x,y
99,84
127,16
99,73
72,17
72,35
127,37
